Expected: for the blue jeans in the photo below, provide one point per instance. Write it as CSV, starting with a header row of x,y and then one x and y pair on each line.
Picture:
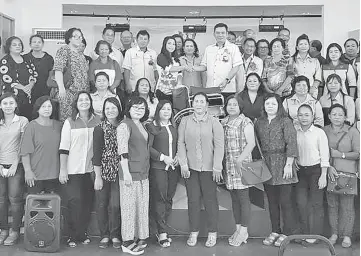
x,y
12,190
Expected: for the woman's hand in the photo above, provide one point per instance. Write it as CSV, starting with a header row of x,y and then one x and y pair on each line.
x,y
30,178
1,171
287,171
98,183
128,180
322,181
175,161
12,170
185,172
217,176
62,93
332,173
63,176
168,160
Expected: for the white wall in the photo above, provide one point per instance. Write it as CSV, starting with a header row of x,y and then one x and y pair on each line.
x,y
159,28
340,17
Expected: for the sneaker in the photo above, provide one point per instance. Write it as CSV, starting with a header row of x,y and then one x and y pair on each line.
x,y
12,238
86,239
116,243
3,235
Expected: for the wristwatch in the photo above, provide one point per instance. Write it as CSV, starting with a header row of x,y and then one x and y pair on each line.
x,y
228,80
343,155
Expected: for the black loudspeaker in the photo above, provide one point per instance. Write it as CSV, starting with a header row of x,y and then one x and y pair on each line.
x,y
42,223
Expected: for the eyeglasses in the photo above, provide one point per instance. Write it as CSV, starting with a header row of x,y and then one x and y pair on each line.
x,y
265,47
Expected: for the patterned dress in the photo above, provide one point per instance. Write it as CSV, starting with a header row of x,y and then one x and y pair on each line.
x,y
235,142
275,74
278,140
12,73
78,82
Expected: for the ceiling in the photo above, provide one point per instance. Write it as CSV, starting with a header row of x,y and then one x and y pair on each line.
x,y
188,11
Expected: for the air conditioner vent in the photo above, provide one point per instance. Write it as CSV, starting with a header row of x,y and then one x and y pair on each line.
x,y
50,34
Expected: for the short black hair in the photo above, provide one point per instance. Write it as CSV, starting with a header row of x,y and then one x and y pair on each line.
x,y
233,96
106,29
84,42
9,95
232,34
337,105
298,79
99,43
262,41
143,32
283,43
69,34
220,25
351,39
179,36
9,42
114,101
203,94
102,73
317,44
36,36
39,102
280,111
305,106
284,29
196,50
250,39
136,100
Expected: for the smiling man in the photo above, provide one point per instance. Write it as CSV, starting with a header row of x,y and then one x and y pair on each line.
x,y
222,61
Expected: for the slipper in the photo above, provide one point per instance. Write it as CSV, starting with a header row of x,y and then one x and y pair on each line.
x,y
141,243
211,240
280,240
346,243
165,243
239,240
132,249
271,239
192,239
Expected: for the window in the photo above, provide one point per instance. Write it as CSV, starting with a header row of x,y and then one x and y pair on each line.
x,y
6,30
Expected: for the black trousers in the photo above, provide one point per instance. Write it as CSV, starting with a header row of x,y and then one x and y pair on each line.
x,y
200,185
163,185
241,206
77,202
310,200
46,186
108,209
280,201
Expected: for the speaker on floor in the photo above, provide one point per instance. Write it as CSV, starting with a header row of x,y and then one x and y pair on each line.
x,y
42,223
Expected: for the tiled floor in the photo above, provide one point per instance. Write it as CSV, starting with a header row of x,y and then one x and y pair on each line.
x,y
253,248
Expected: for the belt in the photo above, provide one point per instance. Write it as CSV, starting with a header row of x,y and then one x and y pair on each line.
x,y
311,166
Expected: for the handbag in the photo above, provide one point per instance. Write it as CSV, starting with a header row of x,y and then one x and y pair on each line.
x,y
67,77
255,172
345,183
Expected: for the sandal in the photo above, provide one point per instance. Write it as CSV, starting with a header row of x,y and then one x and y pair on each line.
x,y
270,239
280,240
239,239
333,239
211,240
71,243
164,243
192,239
141,243
104,243
233,236
346,243
132,249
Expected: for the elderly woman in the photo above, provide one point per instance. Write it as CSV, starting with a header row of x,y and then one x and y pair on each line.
x,y
69,57
239,143
303,64
335,95
18,75
301,88
277,72
278,142
105,64
338,64
344,143
134,152
200,152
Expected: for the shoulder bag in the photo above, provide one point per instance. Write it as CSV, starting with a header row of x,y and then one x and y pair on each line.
x,y
345,183
67,77
255,172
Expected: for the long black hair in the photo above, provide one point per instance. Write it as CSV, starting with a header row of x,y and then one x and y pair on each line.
x,y
342,58
150,93
167,54
74,105
301,37
136,100
159,108
39,102
261,88
115,102
8,95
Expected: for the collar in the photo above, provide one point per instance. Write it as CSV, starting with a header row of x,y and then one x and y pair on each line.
x,y
99,59
295,98
96,93
337,98
249,58
224,45
91,117
237,119
299,128
139,50
307,57
203,119
16,118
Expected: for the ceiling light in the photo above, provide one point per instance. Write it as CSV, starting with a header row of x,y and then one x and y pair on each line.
x,y
194,12
73,11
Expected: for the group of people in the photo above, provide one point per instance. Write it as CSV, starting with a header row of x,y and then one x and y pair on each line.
x,y
116,140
